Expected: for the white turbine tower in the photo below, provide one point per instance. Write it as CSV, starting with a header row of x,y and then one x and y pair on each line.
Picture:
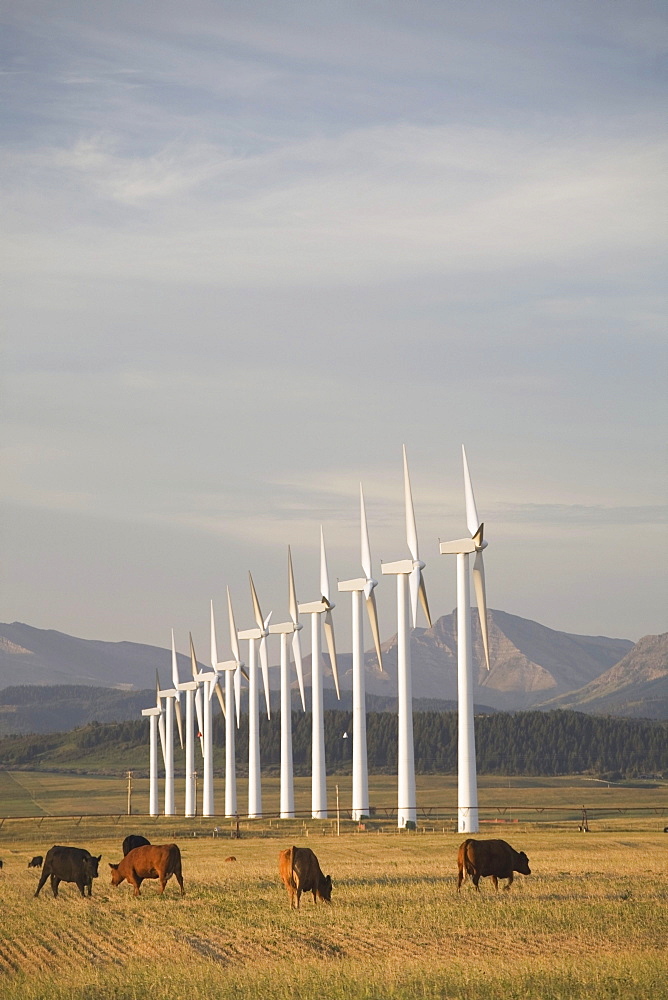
x,y
233,669
409,583
467,795
208,679
190,688
156,723
253,635
172,708
316,609
365,585
284,629
226,667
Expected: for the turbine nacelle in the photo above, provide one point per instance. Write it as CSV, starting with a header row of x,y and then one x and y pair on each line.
x,y
476,543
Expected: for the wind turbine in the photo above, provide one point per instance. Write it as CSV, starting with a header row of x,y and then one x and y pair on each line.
x,y
208,679
284,629
410,583
156,722
467,795
253,635
316,609
365,585
228,667
191,689
172,708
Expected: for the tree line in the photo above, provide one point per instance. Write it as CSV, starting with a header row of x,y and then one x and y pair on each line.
x,y
522,743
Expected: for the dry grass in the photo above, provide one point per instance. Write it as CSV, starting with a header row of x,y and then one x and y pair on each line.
x,y
591,921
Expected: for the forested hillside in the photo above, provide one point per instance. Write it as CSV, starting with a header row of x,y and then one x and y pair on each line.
x,y
525,743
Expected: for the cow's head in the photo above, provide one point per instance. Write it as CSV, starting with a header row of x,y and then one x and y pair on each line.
x,y
325,888
523,864
90,865
116,877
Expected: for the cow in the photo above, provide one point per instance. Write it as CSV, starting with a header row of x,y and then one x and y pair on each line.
x,y
150,861
231,858
36,862
300,871
134,840
495,858
69,864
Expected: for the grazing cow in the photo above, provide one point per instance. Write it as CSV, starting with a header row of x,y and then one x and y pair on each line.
x,y
134,840
150,861
36,862
482,858
300,872
231,858
69,864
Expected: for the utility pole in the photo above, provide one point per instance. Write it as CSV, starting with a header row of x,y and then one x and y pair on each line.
x,y
130,773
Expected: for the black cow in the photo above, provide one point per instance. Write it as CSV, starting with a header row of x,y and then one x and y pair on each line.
x,y
134,840
482,858
36,862
69,864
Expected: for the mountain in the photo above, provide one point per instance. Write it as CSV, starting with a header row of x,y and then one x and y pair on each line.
x,y
530,662
38,656
636,687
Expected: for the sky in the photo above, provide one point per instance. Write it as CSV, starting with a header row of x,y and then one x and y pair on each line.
x,y
252,249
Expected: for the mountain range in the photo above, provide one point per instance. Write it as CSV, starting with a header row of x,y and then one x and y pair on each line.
x,y
532,667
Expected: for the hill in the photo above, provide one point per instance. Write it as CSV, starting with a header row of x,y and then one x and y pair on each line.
x,y
637,686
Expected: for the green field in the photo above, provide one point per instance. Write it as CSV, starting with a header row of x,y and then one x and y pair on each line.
x,y
591,921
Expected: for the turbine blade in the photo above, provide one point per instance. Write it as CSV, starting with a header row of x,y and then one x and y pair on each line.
x,y
198,712
157,690
179,720
411,529
372,612
175,668
219,694
414,589
324,576
214,644
256,605
163,741
292,593
481,599
299,667
237,694
264,664
329,637
472,519
423,600
193,658
234,638
365,547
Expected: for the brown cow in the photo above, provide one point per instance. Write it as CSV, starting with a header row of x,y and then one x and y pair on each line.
x,y
482,858
151,861
300,872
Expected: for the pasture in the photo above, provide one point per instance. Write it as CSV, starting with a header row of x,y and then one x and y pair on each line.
x,y
592,919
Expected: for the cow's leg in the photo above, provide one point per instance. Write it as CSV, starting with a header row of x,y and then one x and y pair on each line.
x,y
475,879
55,882
510,882
299,896
495,880
136,882
179,878
42,880
460,879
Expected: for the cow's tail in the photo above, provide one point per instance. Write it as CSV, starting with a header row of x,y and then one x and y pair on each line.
x,y
292,866
468,864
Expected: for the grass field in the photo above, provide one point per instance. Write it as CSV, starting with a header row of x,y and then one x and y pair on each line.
x,y
591,921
